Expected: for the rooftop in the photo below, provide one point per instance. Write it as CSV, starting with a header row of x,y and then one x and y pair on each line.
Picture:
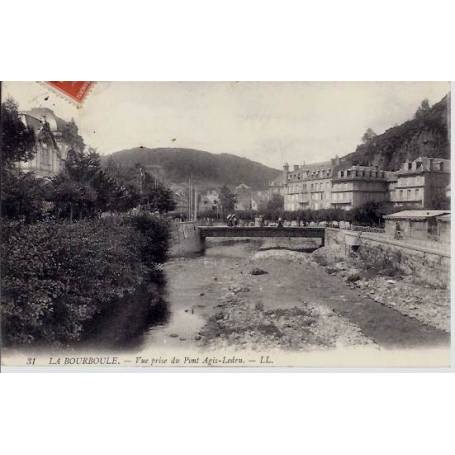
x,y
416,214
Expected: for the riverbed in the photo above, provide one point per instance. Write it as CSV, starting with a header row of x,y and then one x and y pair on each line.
x,y
250,295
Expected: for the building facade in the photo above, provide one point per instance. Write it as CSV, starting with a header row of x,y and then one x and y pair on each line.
x,y
418,184
50,149
308,186
357,185
421,182
424,225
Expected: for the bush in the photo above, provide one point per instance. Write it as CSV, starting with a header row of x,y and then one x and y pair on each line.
x,y
154,238
57,276
382,261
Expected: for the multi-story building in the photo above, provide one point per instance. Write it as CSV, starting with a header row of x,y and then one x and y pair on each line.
x,y
419,183
357,185
50,149
308,186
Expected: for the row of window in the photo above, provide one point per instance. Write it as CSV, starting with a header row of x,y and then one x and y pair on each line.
x,y
406,195
320,173
302,187
361,173
411,181
419,165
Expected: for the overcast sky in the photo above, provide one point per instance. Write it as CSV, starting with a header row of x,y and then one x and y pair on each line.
x,y
269,122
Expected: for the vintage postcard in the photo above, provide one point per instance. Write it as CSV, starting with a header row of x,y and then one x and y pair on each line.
x,y
240,225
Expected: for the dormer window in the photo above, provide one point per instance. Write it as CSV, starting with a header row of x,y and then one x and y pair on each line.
x,y
409,166
441,166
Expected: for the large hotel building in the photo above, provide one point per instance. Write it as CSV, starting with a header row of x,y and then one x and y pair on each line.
x,y
330,184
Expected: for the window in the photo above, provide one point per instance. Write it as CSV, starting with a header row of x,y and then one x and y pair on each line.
x,y
45,156
417,193
341,173
401,194
409,166
441,166
312,187
409,194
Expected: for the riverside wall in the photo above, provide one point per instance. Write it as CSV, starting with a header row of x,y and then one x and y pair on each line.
x,y
185,239
432,265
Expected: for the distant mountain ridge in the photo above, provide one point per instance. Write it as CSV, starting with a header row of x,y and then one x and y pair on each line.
x,y
206,169
425,135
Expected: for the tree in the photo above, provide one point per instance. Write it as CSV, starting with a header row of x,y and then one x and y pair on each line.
x,y
423,108
156,196
70,134
227,199
83,189
17,140
371,213
24,196
276,203
439,200
368,135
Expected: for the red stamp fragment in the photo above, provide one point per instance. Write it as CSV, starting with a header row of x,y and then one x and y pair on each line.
x,y
76,90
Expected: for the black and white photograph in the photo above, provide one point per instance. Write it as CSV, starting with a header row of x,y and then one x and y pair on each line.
x,y
225,224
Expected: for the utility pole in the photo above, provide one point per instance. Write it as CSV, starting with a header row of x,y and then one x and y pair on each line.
x,y
195,204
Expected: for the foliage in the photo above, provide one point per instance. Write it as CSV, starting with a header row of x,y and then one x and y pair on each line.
x,y
70,135
370,213
368,135
56,276
439,200
155,233
84,189
177,164
227,199
276,203
23,196
423,109
155,196
425,135
17,140
378,260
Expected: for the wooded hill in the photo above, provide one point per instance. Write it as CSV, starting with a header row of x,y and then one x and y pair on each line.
x,y
176,165
428,134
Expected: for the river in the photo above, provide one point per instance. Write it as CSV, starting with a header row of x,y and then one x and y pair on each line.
x,y
214,300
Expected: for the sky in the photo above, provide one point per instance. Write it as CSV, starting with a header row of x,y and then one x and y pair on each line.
x,y
269,122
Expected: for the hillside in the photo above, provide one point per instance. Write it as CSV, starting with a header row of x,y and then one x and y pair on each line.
x,y
427,135
176,165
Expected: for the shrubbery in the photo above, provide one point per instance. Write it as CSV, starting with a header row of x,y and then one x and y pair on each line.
x,y
57,276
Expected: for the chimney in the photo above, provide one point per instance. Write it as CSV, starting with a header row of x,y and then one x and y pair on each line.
x,y
285,173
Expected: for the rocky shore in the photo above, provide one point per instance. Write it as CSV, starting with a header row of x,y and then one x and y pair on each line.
x,y
241,296
404,293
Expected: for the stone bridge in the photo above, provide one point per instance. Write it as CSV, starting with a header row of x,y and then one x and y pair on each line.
x,y
266,231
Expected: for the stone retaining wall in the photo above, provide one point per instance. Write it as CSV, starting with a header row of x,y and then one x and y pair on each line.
x,y
431,265
185,239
